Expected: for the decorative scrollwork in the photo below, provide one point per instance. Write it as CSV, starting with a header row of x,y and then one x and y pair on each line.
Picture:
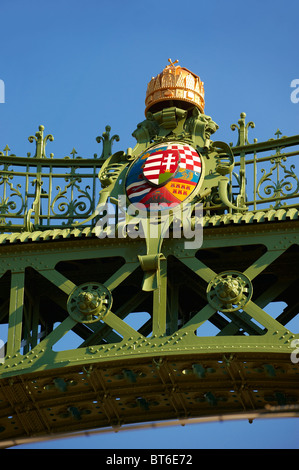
x,y
90,183
110,174
57,197
70,206
277,189
10,207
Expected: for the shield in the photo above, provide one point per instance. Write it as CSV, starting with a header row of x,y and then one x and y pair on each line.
x,y
166,174
161,166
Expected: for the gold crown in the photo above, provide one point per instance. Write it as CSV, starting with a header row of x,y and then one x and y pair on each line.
x,y
175,83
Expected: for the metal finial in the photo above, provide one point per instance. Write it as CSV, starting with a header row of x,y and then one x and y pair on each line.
x,y
172,63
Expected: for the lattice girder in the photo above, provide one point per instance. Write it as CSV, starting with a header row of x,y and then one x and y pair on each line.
x,y
178,309
29,258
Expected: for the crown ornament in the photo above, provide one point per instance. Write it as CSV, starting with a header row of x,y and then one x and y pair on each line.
x,y
175,83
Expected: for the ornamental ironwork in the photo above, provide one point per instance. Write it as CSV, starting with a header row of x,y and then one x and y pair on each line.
x,y
40,192
89,302
229,291
166,326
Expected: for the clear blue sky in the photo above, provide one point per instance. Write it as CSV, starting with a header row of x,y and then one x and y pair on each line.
x,y
76,66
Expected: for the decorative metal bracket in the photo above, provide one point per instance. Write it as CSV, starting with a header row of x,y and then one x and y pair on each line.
x,y
223,191
150,264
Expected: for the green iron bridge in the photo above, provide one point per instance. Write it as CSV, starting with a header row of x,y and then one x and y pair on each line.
x,y
101,331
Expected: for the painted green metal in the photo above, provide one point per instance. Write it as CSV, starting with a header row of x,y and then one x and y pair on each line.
x,y
203,339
